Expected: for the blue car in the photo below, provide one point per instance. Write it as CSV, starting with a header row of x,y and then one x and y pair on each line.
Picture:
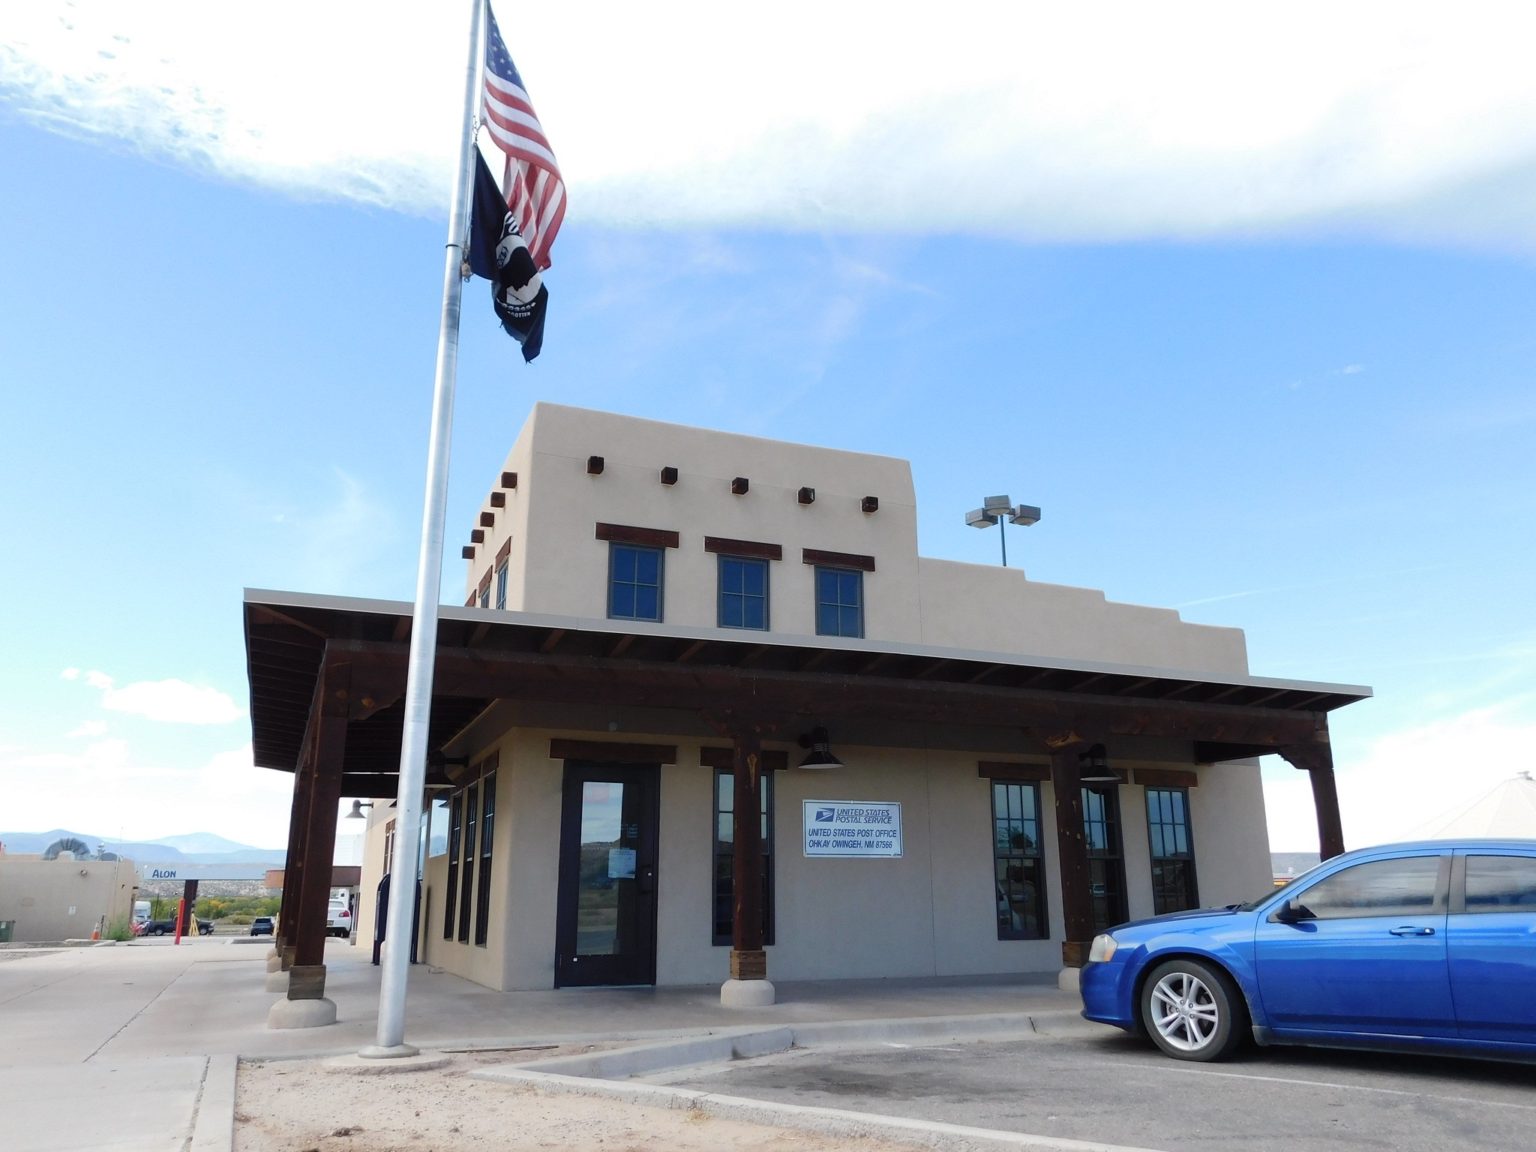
x,y
1427,946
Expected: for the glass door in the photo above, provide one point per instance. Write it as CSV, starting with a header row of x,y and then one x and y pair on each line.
x,y
605,930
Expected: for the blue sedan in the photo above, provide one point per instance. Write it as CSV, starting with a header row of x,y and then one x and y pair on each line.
x,y
1406,946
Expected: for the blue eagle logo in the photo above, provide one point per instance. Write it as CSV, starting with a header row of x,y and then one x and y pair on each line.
x,y
826,815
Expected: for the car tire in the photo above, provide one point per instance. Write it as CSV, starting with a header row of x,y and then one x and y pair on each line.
x,y
1192,1011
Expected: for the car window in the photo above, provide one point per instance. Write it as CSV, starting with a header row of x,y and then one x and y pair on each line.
x,y
1501,883
1404,887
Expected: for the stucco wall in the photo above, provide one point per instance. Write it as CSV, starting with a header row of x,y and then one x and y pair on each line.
x,y
930,913
553,513
63,899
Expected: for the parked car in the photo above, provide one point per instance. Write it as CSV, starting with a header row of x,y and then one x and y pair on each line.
x,y
261,926
338,920
1407,946
167,927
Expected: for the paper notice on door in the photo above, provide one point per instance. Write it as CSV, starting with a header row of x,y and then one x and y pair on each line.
x,y
621,863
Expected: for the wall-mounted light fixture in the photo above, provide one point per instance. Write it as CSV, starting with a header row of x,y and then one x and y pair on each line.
x,y
357,809
820,756
1093,767
994,509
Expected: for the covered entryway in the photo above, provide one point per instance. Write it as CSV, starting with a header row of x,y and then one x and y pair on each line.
x,y
328,681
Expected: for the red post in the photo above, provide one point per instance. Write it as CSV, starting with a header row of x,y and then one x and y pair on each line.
x,y
181,912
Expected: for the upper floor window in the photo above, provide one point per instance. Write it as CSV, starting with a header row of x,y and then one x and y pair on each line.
x,y
501,585
839,602
743,592
634,582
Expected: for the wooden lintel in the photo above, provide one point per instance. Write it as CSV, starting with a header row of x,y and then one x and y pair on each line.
x,y
552,677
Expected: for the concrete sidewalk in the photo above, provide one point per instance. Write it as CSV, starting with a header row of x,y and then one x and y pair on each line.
x,y
133,1047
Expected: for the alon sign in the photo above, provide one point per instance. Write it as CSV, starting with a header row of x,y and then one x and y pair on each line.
x,y
852,828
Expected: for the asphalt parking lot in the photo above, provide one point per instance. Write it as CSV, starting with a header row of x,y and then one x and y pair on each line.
x,y
1114,1089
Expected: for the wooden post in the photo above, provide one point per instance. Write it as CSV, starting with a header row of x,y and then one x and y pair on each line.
x,y
748,959
287,930
1072,858
306,978
1316,759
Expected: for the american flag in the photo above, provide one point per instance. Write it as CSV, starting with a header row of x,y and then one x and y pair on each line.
x,y
534,192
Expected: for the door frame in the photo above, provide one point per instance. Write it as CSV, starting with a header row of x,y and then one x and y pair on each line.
x,y
639,967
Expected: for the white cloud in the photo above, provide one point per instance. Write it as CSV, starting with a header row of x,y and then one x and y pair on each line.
x,y
90,729
1405,778
1071,122
110,789
167,701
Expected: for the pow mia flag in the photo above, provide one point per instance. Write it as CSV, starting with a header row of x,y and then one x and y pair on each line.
x,y
498,253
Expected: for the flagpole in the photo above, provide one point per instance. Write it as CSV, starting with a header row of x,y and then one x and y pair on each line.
x,y
390,1039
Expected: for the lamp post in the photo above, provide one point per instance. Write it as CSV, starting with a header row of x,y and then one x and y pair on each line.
x,y
994,509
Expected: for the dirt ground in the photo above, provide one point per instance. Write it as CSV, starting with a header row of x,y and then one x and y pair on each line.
x,y
300,1106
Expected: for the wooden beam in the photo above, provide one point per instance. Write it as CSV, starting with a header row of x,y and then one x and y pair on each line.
x,y
748,959
553,678
1072,858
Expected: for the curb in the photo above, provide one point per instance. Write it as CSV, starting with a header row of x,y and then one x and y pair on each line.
x,y
833,1122
213,1124
747,1042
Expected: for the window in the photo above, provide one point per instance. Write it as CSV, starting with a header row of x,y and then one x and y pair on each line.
x,y
501,585
1106,866
455,839
437,820
471,820
389,848
1403,887
1172,851
725,844
743,592
634,582
839,602
1018,862
483,886
1501,884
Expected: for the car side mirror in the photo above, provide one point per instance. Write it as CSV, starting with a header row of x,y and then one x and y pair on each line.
x,y
1291,911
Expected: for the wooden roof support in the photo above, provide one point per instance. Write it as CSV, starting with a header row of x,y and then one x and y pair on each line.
x,y
1315,757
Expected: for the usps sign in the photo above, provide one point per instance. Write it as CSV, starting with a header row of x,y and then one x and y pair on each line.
x,y
852,828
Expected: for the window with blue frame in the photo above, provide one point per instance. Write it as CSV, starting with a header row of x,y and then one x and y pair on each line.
x,y
501,585
634,582
743,592
839,602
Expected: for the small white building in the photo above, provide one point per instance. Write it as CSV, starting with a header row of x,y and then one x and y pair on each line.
x,y
662,622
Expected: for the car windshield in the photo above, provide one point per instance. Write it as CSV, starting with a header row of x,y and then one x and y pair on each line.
x,y
1250,905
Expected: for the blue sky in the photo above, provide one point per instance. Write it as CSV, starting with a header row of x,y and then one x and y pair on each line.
x,y
1246,310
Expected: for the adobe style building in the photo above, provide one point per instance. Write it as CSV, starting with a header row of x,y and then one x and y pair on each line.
x,y
707,716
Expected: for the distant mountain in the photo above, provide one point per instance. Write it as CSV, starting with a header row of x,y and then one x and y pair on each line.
x,y
192,848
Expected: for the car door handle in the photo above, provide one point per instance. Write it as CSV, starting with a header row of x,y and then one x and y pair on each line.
x,y
1410,930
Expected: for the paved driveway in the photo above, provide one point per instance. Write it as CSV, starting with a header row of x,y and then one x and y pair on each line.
x,y
1116,1090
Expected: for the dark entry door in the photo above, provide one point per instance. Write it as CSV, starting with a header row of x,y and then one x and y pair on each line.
x,y
605,930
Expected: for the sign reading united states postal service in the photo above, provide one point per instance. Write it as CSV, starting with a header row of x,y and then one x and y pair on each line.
x,y
852,828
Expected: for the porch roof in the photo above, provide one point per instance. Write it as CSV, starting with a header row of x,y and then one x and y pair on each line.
x,y
302,649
